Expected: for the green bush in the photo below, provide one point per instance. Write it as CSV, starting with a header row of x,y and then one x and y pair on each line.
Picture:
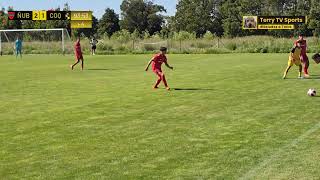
x,y
122,36
264,50
183,35
208,36
150,47
202,45
231,46
216,51
122,50
104,47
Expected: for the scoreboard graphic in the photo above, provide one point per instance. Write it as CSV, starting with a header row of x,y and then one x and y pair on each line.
x,y
78,19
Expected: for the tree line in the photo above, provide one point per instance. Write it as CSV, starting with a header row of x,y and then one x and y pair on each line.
x,y
219,17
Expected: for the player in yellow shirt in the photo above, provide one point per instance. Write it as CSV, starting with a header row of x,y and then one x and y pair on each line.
x,y
294,58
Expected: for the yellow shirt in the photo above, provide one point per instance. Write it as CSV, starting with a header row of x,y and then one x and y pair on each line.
x,y
296,54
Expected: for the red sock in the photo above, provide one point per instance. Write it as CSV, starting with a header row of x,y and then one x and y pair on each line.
x,y
305,69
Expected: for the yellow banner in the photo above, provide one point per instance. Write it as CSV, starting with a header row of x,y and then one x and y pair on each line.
x,y
275,26
81,24
81,15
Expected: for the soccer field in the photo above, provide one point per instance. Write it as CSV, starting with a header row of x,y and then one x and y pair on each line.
x,y
228,116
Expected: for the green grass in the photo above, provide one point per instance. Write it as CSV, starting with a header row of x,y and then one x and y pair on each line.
x,y
234,118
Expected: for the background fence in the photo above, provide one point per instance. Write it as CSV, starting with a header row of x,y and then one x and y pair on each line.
x,y
250,44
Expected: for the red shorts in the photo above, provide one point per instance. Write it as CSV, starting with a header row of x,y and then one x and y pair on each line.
x,y
78,56
304,58
157,71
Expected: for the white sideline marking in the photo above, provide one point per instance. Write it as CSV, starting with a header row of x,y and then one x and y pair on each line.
x,y
252,172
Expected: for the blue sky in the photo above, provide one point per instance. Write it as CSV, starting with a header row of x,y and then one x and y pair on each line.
x,y
97,6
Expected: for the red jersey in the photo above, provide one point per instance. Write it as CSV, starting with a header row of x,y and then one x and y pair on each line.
x,y
158,59
303,46
77,47
77,50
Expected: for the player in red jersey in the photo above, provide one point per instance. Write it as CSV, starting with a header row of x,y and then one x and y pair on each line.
x,y
78,54
157,61
303,56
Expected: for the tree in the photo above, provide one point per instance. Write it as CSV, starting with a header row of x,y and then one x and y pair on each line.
x,y
198,16
109,23
314,23
141,16
8,24
231,15
3,18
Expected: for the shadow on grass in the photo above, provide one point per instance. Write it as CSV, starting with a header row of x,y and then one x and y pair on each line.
x,y
314,76
101,69
309,78
315,96
192,89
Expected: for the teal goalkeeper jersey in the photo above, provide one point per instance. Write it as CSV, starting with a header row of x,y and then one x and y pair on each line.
x,y
18,44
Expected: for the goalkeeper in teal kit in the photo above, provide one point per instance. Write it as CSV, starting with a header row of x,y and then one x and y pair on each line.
x,y
18,47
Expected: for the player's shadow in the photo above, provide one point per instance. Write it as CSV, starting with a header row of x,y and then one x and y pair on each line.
x,y
314,77
192,89
101,69
309,78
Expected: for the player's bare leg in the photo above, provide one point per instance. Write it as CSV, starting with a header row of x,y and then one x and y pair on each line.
x,y
72,66
82,64
157,82
286,72
158,73
300,70
18,52
305,69
165,82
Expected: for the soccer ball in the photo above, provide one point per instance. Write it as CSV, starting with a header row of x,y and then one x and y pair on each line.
x,y
312,92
